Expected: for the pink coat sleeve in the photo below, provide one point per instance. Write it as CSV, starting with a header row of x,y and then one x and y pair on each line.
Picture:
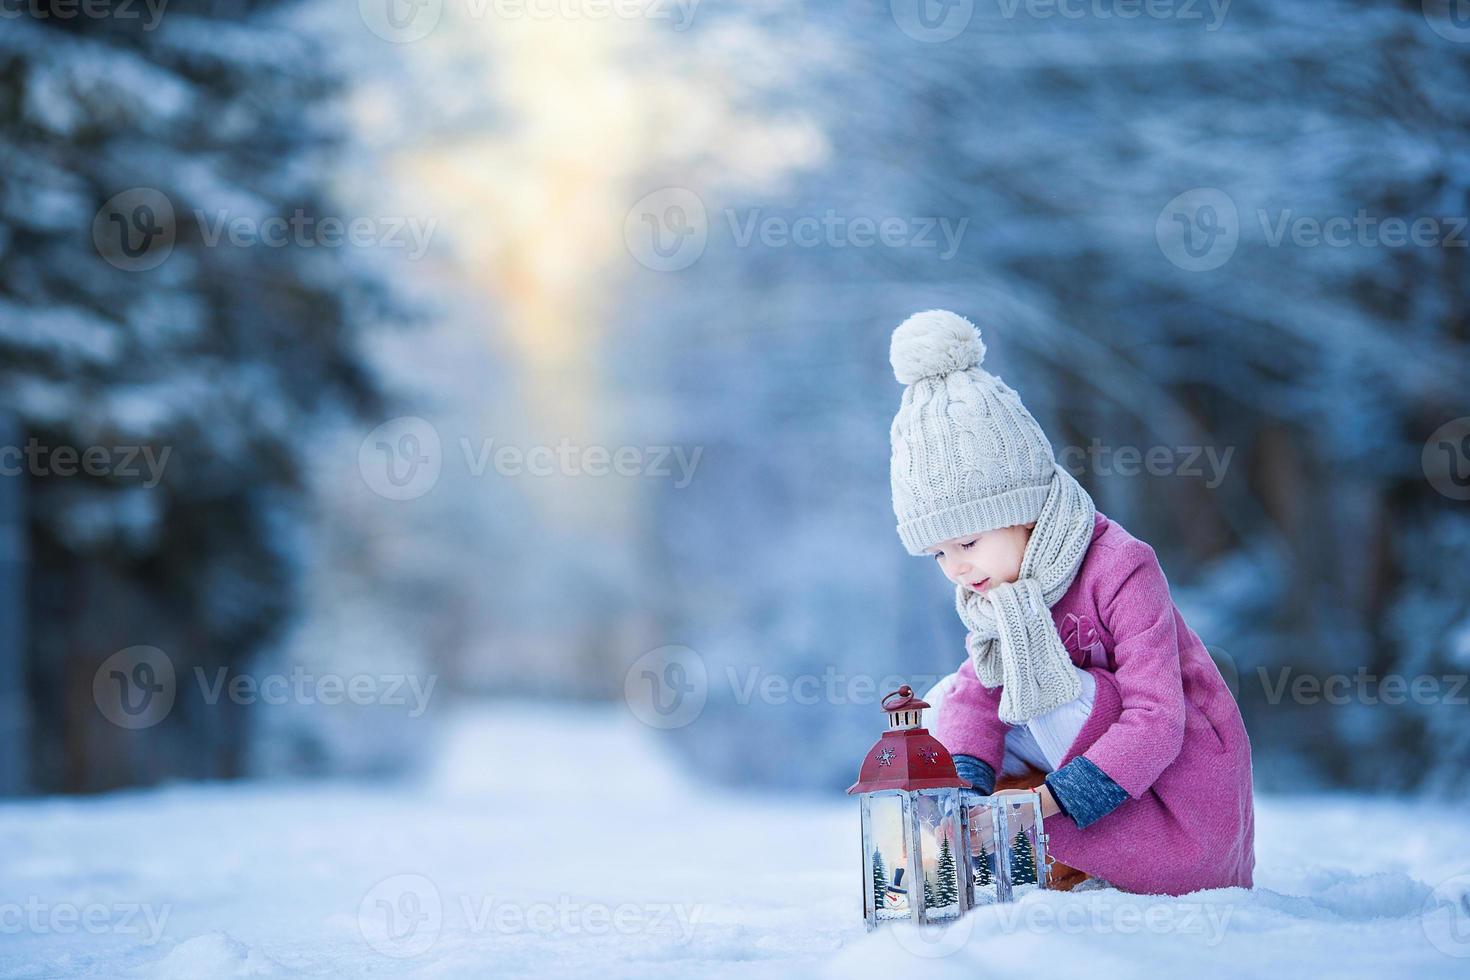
x,y
969,722
1137,610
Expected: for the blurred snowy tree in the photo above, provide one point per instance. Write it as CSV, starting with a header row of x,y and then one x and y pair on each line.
x,y
124,326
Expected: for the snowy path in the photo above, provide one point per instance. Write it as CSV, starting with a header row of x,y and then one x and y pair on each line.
x,y
489,868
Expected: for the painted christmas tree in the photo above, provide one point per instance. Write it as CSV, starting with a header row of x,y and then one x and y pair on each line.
x,y
1023,861
983,877
929,896
880,879
946,892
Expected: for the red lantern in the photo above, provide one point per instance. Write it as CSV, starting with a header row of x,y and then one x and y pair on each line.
x,y
932,847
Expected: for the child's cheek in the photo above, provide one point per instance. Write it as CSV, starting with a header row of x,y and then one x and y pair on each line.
x,y
1013,567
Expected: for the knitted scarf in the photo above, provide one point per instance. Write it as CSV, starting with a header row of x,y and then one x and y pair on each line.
x,y
1012,640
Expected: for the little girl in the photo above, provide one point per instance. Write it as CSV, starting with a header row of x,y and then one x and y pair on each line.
x,y
1082,679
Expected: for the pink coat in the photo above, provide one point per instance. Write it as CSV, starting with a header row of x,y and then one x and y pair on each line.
x,y
1164,727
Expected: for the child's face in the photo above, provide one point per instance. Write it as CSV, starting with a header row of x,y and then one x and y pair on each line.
x,y
979,562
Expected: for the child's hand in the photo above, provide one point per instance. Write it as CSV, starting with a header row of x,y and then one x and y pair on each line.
x,y
1049,807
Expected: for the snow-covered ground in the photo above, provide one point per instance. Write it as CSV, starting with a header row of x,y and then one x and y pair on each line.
x,y
562,843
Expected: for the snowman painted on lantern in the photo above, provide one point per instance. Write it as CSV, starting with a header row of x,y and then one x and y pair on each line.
x,y
895,896
932,847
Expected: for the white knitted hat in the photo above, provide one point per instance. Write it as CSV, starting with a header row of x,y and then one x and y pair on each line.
x,y
967,456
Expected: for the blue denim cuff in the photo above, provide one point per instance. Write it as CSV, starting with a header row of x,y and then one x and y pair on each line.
x,y
976,772
1084,792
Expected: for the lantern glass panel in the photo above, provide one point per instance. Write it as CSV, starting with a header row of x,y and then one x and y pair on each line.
x,y
1007,847
888,856
1027,851
941,863
984,860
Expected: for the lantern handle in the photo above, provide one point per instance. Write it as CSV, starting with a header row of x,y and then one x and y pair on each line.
x,y
903,692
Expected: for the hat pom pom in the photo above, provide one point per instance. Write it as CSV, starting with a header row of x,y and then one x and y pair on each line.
x,y
932,344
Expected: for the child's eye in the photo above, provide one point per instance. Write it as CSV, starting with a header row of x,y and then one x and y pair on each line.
x,y
938,555
969,544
